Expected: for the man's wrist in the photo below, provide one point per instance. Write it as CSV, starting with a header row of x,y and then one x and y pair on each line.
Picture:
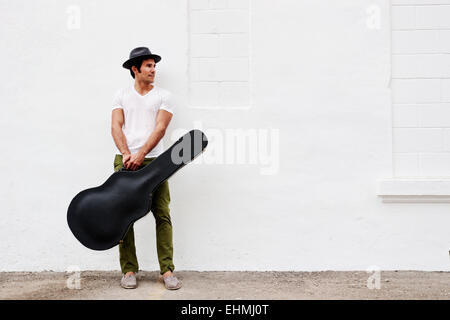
x,y
142,152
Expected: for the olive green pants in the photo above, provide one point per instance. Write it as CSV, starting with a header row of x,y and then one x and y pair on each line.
x,y
161,212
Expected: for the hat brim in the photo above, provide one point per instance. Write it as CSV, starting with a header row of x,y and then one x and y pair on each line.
x,y
127,64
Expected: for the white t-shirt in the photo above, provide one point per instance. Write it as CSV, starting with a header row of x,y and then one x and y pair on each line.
x,y
140,116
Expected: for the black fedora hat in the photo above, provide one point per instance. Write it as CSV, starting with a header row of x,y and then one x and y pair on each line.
x,y
138,53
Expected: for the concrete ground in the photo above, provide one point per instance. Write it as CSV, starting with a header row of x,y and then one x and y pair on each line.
x,y
229,285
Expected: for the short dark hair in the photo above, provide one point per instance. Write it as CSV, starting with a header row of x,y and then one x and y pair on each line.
x,y
138,64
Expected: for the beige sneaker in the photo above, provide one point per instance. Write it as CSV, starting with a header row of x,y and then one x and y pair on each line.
x,y
172,283
128,282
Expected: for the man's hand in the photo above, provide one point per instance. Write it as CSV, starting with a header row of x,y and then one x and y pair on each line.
x,y
135,160
125,158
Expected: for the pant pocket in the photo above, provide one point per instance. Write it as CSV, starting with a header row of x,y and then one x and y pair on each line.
x,y
117,162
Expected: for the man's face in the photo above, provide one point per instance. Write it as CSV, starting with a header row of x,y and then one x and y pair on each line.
x,y
147,71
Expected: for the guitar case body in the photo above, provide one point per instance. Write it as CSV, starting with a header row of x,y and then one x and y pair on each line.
x,y
100,217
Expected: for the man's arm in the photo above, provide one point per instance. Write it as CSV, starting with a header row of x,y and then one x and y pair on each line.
x,y
162,122
119,138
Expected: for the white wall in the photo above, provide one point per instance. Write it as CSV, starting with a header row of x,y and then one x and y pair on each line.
x,y
421,95
319,76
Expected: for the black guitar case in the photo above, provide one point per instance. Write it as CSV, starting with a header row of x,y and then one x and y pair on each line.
x,y
100,217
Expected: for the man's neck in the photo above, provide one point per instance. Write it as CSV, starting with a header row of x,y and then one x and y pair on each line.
x,y
143,87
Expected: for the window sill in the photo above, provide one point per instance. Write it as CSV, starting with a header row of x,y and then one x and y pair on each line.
x,y
414,190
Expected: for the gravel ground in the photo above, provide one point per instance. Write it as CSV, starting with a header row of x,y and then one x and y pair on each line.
x,y
228,285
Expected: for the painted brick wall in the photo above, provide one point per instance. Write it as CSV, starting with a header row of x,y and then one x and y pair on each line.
x,y
421,87
324,93
219,53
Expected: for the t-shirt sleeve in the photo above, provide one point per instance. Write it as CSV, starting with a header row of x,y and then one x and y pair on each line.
x,y
117,101
167,101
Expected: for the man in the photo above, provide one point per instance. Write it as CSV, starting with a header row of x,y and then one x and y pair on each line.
x,y
140,116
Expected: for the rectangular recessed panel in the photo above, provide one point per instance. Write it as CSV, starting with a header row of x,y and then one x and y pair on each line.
x,y
421,87
219,54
